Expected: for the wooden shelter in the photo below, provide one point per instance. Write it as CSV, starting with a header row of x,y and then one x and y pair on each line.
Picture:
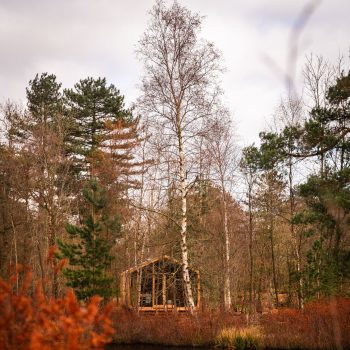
x,y
157,284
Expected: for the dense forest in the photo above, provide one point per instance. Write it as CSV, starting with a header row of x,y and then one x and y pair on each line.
x,y
90,187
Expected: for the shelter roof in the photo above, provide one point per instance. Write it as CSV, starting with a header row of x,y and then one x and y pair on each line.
x,y
154,260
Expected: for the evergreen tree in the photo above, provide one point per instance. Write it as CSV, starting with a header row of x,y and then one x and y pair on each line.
x,y
44,97
88,250
94,107
327,194
324,136
102,139
44,140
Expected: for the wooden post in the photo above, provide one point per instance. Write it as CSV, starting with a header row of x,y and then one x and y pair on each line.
x,y
153,286
122,288
164,290
128,288
198,290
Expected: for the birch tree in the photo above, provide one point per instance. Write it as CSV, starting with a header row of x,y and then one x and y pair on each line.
x,y
179,90
222,153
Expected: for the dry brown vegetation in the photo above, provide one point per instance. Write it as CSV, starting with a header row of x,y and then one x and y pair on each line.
x,y
321,325
172,328
31,321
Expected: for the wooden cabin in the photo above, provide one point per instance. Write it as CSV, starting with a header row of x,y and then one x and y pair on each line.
x,y
158,284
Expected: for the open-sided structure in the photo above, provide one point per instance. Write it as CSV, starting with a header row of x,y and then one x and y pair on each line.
x,y
158,285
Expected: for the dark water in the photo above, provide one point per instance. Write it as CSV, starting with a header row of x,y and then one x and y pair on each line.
x,y
149,347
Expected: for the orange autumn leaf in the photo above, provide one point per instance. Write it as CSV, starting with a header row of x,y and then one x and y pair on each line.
x,y
33,321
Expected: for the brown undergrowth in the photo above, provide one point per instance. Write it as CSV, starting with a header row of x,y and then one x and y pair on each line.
x,y
172,328
31,321
321,325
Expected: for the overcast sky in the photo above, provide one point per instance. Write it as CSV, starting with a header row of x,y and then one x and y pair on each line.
x,y
78,38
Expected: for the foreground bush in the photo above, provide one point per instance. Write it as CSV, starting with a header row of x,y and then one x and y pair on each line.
x,y
30,321
248,338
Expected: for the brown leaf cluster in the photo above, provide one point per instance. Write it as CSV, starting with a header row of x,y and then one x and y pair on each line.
x,y
31,321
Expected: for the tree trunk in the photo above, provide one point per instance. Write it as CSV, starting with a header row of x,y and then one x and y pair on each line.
x,y
298,239
183,192
16,253
274,273
250,249
227,283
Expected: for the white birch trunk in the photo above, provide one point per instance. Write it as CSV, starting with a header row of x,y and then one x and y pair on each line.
x,y
300,279
183,192
227,284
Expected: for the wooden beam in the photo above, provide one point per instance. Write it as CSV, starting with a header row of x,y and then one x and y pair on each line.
x,y
153,286
198,290
164,289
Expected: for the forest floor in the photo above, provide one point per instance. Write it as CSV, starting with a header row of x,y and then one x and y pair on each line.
x,y
321,325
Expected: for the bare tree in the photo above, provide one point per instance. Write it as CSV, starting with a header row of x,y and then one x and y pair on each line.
x,y
250,174
290,114
222,154
319,75
179,90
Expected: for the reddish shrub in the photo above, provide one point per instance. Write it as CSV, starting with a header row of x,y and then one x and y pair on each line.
x,y
31,321
172,328
321,325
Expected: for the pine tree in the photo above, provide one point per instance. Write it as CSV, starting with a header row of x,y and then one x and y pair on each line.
x,y
88,250
94,107
44,99
102,139
323,136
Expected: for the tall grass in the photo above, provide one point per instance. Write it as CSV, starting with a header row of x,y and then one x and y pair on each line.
x,y
248,338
